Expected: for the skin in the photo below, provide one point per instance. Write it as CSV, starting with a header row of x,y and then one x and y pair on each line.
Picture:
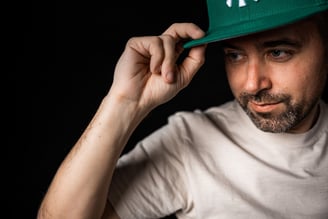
x,y
273,78
146,76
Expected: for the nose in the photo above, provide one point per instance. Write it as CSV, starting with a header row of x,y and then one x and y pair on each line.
x,y
258,77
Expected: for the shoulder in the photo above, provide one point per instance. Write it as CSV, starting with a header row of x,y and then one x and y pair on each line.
x,y
201,121
215,114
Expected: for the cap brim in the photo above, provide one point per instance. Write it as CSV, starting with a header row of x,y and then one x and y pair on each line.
x,y
255,26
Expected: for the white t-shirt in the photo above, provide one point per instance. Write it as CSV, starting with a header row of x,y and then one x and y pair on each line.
x,y
217,164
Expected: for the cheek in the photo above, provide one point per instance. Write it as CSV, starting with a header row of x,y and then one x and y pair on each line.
x,y
314,67
235,81
306,80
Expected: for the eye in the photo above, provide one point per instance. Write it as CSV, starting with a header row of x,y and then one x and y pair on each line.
x,y
280,55
234,56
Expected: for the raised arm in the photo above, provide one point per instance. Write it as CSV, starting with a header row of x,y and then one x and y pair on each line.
x,y
146,76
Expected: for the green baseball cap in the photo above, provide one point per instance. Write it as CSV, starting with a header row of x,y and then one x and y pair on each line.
x,y
233,18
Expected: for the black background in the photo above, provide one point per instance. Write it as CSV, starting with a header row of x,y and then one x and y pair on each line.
x,y
62,57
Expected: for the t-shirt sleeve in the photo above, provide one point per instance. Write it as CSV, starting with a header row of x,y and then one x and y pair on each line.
x,y
150,181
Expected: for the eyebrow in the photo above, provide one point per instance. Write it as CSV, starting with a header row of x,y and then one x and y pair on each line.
x,y
282,42
228,45
269,44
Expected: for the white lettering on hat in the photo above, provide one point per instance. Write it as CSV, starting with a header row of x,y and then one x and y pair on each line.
x,y
242,3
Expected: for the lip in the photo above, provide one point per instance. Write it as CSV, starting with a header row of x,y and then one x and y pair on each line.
x,y
263,107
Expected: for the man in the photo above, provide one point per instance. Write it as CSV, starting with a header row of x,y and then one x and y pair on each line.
x,y
262,155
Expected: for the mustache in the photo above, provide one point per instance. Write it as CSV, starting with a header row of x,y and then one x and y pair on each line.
x,y
263,97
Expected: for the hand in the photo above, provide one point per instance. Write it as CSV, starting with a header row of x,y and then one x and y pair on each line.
x,y
147,74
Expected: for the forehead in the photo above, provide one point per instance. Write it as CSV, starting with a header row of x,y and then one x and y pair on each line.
x,y
300,31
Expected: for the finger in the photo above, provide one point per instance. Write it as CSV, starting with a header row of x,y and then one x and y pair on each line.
x,y
181,31
196,56
157,53
192,63
172,36
168,65
151,49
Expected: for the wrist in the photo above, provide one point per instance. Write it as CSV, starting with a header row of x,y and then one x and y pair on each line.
x,y
125,110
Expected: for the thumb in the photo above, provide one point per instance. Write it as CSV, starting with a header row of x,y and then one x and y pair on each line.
x,y
193,62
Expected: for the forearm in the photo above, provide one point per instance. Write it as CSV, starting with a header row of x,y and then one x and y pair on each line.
x,y
146,76
79,189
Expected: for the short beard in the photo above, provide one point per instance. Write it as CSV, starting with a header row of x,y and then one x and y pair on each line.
x,y
269,122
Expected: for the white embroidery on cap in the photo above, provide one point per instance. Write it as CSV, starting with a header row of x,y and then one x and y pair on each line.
x,y
242,3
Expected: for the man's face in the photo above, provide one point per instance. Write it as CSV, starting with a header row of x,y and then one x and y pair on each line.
x,y
278,76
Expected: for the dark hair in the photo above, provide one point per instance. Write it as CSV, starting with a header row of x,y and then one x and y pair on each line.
x,y
321,20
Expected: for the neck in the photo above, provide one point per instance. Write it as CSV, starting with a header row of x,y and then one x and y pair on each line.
x,y
308,122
